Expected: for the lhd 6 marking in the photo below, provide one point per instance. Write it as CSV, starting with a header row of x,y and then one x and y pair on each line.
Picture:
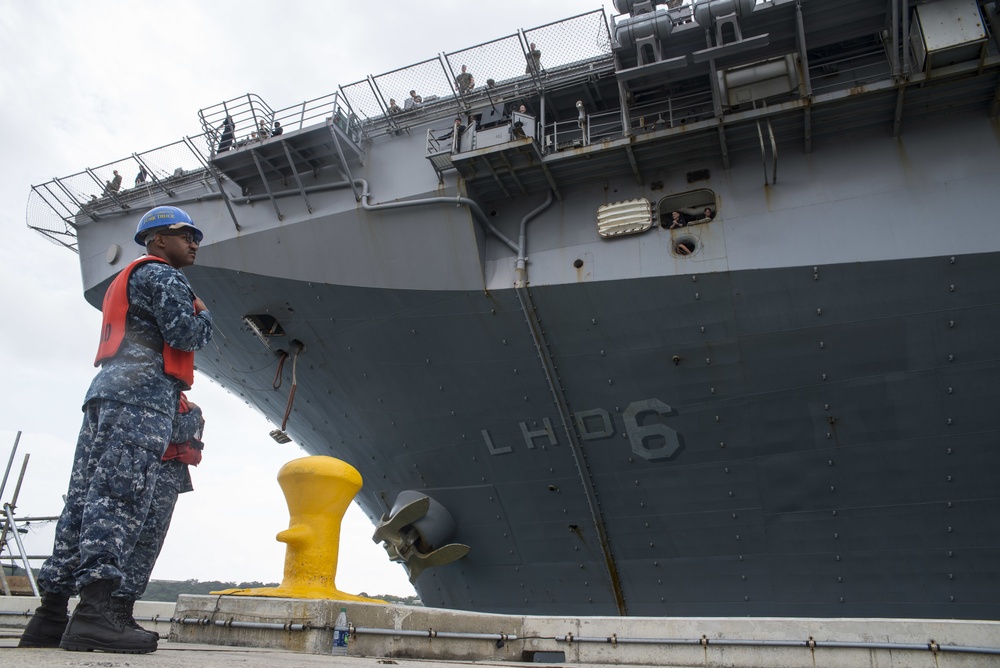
x,y
653,442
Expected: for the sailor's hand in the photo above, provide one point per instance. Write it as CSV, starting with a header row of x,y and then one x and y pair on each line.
x,y
199,306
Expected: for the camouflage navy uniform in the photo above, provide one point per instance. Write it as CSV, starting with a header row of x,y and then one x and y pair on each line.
x,y
128,416
174,478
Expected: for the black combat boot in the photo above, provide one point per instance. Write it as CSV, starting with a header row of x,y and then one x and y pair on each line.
x,y
124,607
46,626
94,625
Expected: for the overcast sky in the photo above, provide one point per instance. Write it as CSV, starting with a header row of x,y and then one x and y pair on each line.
x,y
83,84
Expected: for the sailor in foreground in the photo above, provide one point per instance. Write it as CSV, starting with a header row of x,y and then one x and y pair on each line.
x,y
153,323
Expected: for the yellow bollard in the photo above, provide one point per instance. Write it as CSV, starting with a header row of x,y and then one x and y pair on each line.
x,y
318,491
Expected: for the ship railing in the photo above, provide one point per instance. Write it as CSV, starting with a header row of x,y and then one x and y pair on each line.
x,y
57,207
249,114
671,111
857,70
571,49
440,141
607,125
563,135
333,107
500,95
253,119
603,125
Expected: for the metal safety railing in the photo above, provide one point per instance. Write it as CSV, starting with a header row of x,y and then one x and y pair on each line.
x,y
251,120
368,106
811,644
495,66
565,50
11,546
56,207
671,111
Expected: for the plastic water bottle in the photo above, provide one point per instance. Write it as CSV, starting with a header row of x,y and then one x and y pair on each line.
x,y
340,637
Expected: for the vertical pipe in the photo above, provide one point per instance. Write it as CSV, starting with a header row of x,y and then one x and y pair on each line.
x,y
20,547
10,462
895,39
906,39
541,119
20,479
803,55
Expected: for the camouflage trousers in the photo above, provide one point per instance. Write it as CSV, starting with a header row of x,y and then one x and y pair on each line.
x,y
173,479
110,490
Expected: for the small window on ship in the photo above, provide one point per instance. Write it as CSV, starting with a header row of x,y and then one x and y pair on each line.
x,y
694,207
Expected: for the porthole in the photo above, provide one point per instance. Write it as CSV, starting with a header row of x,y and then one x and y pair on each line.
x,y
684,246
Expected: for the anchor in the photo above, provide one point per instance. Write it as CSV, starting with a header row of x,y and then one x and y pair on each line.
x,y
415,533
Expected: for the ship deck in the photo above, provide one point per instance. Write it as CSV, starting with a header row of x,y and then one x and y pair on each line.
x,y
599,111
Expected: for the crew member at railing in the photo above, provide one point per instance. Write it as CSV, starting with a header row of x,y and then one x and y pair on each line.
x,y
114,185
534,58
277,129
393,107
140,178
228,133
465,81
454,133
518,127
263,132
414,101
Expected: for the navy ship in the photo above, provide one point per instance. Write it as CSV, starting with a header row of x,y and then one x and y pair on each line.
x,y
687,310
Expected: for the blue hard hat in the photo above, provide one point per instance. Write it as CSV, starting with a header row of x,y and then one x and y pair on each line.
x,y
165,218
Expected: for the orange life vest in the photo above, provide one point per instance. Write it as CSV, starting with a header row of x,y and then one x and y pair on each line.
x,y
188,452
176,363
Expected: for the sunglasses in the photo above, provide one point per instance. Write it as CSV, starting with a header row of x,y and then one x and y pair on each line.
x,y
188,237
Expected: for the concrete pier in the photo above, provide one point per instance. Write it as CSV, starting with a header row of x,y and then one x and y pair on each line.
x,y
267,629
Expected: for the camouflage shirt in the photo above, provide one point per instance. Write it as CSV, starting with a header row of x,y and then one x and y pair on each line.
x,y
135,375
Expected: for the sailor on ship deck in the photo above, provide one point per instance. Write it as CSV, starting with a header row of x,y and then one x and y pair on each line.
x,y
413,102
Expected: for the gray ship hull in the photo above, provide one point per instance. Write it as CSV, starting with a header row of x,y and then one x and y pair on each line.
x,y
834,465
795,419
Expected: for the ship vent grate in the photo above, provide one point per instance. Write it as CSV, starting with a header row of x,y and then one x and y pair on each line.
x,y
631,216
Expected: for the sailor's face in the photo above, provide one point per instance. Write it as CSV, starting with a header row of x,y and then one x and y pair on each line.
x,y
180,249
